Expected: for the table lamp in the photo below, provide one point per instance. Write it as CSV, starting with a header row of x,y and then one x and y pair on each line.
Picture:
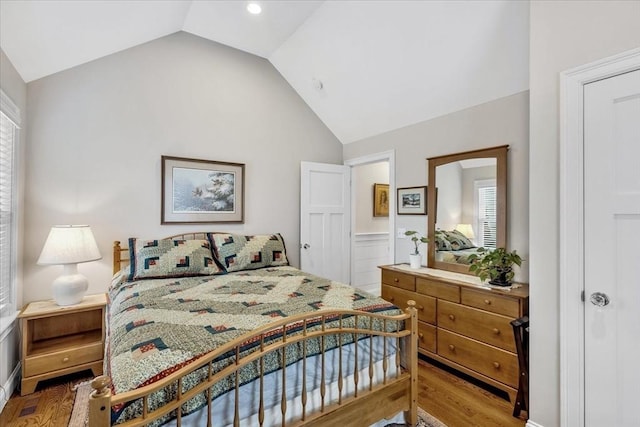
x,y
69,245
466,230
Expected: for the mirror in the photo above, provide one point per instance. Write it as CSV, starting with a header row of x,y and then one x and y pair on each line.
x,y
466,206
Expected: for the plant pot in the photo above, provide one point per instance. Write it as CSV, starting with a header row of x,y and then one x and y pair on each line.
x,y
501,280
415,260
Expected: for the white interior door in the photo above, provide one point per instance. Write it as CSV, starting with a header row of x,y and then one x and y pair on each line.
x,y
612,261
325,220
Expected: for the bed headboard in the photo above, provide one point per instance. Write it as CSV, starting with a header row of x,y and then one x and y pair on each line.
x,y
121,254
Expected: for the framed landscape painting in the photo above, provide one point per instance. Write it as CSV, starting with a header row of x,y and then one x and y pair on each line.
x,y
201,191
412,201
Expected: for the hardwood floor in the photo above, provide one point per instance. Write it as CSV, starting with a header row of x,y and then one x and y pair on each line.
x,y
461,403
453,400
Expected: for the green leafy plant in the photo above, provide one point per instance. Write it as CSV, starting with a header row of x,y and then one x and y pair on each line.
x,y
416,238
496,264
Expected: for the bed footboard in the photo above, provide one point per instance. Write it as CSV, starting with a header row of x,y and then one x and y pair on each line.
x,y
370,399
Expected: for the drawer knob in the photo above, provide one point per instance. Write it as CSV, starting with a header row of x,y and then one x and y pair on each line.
x,y
421,336
66,359
452,347
391,299
496,365
452,317
421,307
496,331
396,280
488,302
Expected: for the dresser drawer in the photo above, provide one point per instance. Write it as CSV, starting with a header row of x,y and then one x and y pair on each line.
x,y
490,361
426,305
399,280
438,289
486,300
427,337
489,328
45,363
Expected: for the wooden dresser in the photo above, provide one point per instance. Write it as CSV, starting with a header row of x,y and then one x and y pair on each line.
x,y
462,323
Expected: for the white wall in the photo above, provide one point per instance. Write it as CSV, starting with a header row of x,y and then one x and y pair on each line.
x,y
503,121
364,178
97,132
16,89
564,34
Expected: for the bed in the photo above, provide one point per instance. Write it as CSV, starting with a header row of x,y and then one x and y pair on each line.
x,y
454,247
242,338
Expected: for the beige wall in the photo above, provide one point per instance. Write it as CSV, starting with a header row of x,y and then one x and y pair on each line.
x,y
564,34
16,89
364,176
503,121
98,130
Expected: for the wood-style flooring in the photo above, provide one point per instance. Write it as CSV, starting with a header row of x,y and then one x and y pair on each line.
x,y
453,400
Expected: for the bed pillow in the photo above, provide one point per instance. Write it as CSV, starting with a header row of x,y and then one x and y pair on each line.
x,y
458,240
442,244
238,252
164,258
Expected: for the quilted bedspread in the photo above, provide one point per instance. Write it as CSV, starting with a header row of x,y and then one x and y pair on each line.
x,y
158,326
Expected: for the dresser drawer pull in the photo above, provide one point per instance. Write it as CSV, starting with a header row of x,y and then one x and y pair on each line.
x,y
452,317
487,302
496,331
496,365
421,307
421,336
65,360
392,299
452,347
395,279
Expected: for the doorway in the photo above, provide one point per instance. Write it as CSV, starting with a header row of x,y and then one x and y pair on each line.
x,y
372,237
600,210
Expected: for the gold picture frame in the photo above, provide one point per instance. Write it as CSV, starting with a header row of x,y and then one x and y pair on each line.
x,y
380,200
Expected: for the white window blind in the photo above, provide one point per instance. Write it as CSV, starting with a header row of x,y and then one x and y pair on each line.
x,y
9,116
486,206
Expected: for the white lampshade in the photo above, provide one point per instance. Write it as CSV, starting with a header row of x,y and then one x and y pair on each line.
x,y
69,245
466,230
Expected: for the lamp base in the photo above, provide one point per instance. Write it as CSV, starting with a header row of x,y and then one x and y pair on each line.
x,y
69,288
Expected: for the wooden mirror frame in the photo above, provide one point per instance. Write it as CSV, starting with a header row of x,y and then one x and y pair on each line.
x,y
500,154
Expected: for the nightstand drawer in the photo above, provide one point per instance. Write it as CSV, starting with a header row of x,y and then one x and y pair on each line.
x,y
399,280
490,328
425,305
491,302
490,361
45,363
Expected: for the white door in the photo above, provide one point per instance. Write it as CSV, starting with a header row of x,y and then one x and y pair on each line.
x,y
325,220
612,250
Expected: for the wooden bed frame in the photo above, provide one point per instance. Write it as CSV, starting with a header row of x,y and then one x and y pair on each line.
x,y
395,393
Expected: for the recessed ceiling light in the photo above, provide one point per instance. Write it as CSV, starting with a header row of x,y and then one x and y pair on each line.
x,y
254,8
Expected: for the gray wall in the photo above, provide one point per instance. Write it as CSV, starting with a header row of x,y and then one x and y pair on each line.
x,y
564,35
16,89
97,131
503,121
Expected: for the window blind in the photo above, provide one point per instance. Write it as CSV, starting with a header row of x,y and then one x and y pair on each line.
x,y
486,207
8,132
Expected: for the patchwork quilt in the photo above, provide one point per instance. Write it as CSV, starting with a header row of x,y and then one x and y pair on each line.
x,y
158,326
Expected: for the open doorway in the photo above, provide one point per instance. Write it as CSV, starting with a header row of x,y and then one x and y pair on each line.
x,y
372,242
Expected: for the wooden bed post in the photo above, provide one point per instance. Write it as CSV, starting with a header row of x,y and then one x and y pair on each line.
x,y
117,253
100,402
412,415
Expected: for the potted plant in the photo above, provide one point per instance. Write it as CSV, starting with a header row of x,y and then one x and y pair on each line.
x,y
415,259
496,264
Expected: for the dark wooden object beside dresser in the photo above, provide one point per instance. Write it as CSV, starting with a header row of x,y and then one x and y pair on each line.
x,y
462,324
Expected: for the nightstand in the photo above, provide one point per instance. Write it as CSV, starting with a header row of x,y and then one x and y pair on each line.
x,y
58,340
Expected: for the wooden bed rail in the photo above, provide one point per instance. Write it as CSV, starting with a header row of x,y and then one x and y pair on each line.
x,y
369,403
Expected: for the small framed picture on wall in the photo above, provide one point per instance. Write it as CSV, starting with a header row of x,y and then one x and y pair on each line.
x,y
380,200
412,200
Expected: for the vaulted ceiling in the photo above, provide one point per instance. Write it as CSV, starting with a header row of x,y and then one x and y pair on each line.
x,y
364,67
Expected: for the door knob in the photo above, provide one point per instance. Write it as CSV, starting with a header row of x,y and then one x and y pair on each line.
x,y
600,299
306,246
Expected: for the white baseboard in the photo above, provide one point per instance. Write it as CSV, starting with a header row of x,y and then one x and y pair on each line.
x,y
533,424
9,386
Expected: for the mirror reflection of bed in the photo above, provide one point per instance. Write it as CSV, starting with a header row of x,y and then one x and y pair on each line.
x,y
466,210
466,206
